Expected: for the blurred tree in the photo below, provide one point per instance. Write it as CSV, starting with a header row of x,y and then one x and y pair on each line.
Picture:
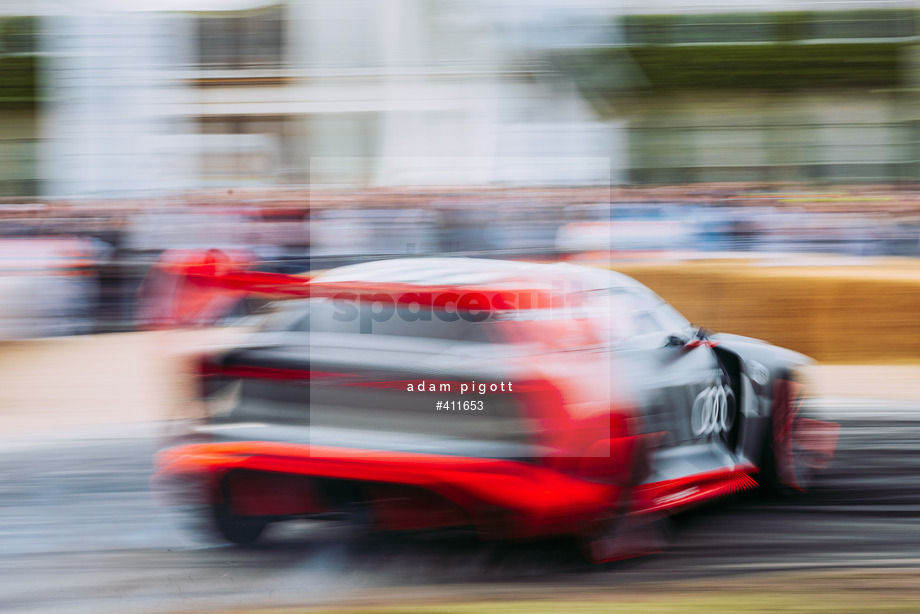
x,y
765,51
18,62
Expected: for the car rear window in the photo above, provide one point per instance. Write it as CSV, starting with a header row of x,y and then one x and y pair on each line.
x,y
328,316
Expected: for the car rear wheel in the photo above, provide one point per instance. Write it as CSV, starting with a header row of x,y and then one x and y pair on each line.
x,y
622,536
240,530
620,531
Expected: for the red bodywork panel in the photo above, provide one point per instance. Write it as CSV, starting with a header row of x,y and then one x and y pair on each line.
x,y
502,498
540,500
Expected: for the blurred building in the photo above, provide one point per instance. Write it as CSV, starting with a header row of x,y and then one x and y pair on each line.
x,y
244,92
163,96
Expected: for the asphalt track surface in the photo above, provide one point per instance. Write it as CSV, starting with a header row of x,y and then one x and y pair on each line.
x,y
79,532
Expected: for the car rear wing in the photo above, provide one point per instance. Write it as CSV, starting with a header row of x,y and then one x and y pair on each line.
x,y
199,287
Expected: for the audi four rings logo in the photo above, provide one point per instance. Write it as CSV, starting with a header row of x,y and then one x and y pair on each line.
x,y
712,411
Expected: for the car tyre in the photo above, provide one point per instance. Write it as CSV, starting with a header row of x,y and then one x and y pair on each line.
x,y
787,468
236,529
621,532
619,537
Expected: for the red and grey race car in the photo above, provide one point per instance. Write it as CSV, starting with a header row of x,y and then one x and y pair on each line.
x,y
521,400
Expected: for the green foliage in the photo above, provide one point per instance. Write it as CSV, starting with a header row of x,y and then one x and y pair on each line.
x,y
777,66
17,34
775,27
787,50
18,62
17,81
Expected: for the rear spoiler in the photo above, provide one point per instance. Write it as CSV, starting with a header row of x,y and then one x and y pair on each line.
x,y
187,287
198,288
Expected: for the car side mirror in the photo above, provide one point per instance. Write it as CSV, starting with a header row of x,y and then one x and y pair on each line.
x,y
676,341
679,341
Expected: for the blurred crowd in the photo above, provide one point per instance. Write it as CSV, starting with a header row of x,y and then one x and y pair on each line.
x,y
75,268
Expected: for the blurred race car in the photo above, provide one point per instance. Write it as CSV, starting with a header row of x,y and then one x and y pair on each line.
x,y
520,400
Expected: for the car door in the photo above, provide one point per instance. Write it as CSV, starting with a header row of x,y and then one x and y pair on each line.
x,y
674,378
